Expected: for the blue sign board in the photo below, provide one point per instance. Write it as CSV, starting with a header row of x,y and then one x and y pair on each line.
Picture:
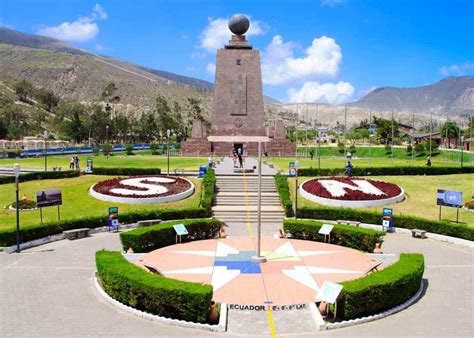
x,y
180,229
291,169
449,198
113,218
387,219
202,171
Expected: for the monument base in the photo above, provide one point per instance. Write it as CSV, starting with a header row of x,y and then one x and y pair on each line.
x,y
196,147
202,147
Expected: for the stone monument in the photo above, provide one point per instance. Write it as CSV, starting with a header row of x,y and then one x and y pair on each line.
x,y
238,112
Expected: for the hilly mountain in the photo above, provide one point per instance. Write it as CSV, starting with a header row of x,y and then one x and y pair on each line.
x,y
450,96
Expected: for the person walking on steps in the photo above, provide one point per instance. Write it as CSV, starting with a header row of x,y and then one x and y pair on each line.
x,y
241,161
234,158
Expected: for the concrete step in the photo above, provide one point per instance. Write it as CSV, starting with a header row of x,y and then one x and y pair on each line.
x,y
251,208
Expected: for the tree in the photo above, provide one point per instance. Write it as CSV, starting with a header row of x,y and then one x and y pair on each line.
x,y
109,94
450,130
123,126
147,128
384,128
419,149
47,98
129,149
24,90
409,149
74,128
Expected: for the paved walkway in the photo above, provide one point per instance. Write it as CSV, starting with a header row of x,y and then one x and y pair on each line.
x,y
48,291
226,167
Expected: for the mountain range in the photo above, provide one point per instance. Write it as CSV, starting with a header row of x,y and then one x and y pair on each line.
x,y
78,74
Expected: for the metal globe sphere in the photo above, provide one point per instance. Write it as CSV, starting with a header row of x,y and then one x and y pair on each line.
x,y
239,24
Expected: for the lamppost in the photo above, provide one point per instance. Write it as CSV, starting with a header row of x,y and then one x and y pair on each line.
x,y
107,139
462,150
45,137
168,134
16,170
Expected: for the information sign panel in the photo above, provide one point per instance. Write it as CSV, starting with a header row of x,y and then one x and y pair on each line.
x,y
449,198
180,229
113,218
329,292
326,229
48,198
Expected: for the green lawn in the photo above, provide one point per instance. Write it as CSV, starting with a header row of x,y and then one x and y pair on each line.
x,y
140,160
339,162
77,202
420,195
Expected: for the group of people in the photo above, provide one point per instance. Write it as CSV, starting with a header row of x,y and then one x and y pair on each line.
x,y
74,162
237,156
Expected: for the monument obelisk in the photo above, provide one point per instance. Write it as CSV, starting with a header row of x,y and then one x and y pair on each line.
x,y
238,116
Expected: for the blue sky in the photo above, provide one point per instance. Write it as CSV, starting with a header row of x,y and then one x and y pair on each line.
x,y
321,50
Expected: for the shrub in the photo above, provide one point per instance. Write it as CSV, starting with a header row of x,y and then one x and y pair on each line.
x,y
388,149
154,148
208,190
419,149
340,147
409,170
126,171
344,235
29,233
401,221
157,236
409,149
107,149
129,149
281,182
352,149
382,290
40,175
96,151
135,287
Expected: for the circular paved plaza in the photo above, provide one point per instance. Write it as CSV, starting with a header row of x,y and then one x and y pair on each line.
x,y
293,273
48,291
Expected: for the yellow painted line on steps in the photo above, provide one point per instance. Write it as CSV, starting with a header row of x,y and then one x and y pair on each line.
x,y
270,322
247,206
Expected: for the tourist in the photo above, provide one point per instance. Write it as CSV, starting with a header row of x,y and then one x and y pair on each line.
x,y
72,162
311,153
210,161
428,161
241,161
77,162
349,155
349,169
235,159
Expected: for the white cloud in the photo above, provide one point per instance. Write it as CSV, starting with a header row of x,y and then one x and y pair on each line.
x,y
280,66
217,33
332,3
465,68
211,68
81,30
6,25
334,93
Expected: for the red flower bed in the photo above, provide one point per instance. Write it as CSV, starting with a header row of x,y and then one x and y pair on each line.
x,y
104,187
316,188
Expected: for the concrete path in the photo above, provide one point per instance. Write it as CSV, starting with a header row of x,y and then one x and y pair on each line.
x,y
226,167
48,291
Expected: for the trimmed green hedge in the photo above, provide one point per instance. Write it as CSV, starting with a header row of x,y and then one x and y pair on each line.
x,y
126,171
157,236
135,287
344,235
281,183
382,290
29,233
401,221
40,175
208,190
414,170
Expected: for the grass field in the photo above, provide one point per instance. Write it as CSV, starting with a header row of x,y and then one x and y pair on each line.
x,y
420,195
77,203
339,162
140,160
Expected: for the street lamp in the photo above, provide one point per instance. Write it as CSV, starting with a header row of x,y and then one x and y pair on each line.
x,y
16,170
168,134
462,150
107,139
45,137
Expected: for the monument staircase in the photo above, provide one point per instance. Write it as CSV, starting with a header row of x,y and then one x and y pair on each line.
x,y
236,201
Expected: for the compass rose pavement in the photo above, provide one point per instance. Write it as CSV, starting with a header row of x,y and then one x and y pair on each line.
x,y
293,273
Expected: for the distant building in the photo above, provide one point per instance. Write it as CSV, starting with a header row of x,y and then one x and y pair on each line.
x,y
423,137
32,143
